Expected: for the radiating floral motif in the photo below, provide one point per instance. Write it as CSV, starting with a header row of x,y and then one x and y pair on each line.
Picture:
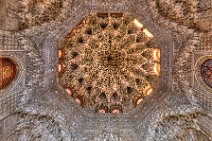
x,y
109,61
7,72
206,72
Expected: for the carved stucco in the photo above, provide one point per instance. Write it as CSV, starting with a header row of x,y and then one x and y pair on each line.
x,y
37,109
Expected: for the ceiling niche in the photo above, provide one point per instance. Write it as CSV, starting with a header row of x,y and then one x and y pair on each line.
x,y
8,71
109,62
206,72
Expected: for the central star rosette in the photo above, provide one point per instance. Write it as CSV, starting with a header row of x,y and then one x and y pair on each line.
x,y
109,61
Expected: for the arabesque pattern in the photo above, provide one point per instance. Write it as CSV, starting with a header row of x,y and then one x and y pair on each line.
x,y
109,61
206,72
7,72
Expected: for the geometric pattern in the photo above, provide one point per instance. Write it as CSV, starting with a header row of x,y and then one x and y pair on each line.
x,y
7,72
206,72
176,111
109,62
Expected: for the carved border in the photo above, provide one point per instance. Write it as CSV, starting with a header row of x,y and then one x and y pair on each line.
x,y
19,81
197,60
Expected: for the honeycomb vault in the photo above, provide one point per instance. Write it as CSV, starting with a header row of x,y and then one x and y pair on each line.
x,y
148,60
109,62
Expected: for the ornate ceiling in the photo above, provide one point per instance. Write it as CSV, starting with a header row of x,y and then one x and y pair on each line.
x,y
109,62
206,72
7,72
63,60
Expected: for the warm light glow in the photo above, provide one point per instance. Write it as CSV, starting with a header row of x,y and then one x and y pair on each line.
x,y
157,69
148,90
114,111
60,53
101,111
59,67
78,101
147,33
137,23
139,101
156,55
68,91
7,72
